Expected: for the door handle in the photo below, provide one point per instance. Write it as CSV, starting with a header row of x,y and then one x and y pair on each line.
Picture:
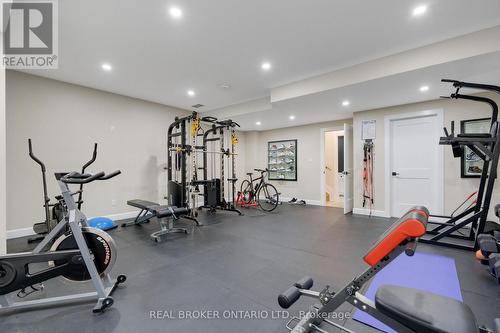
x,y
394,173
346,173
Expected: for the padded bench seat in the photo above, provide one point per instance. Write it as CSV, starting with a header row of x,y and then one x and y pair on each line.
x,y
166,211
142,204
154,209
425,312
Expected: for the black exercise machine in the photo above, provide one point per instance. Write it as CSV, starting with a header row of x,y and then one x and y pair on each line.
x,y
54,213
183,183
489,244
166,215
461,231
79,254
406,310
214,193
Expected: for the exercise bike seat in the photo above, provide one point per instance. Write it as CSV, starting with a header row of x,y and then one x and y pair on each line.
x,y
425,312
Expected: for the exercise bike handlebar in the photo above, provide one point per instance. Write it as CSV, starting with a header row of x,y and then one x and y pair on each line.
x,y
78,178
261,170
111,175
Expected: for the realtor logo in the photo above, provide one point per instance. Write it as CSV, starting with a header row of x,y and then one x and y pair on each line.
x,y
29,34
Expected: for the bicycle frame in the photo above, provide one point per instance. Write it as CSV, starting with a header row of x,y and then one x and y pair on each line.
x,y
253,192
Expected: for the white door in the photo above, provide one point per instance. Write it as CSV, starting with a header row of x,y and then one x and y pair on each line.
x,y
414,164
348,180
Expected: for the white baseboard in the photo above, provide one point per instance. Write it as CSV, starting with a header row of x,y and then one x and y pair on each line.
x,y
25,232
365,211
121,216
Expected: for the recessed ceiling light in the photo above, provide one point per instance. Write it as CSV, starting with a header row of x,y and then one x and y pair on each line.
x,y
107,67
346,103
424,88
191,93
175,12
258,123
292,117
420,10
225,86
266,66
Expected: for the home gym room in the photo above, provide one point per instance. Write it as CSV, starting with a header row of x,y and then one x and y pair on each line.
x,y
257,166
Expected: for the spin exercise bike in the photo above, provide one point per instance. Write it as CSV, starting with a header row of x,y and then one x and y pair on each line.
x,y
81,254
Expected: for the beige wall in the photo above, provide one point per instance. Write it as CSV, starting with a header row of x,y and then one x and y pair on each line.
x,y
309,169
3,215
64,121
456,189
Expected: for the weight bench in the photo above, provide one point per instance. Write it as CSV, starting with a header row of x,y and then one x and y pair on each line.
x,y
166,216
406,310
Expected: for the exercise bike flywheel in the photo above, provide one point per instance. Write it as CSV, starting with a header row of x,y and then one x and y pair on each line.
x,y
7,273
102,250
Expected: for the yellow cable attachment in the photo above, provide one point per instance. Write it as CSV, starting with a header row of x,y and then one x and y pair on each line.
x,y
234,138
195,126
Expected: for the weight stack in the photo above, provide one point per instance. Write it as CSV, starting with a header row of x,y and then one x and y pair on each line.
x,y
174,194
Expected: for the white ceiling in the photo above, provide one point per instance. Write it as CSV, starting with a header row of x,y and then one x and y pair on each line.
x,y
388,91
158,59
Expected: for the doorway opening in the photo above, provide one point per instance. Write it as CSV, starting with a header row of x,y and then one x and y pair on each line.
x,y
334,168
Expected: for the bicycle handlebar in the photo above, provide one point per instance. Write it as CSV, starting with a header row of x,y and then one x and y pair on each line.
x,y
261,170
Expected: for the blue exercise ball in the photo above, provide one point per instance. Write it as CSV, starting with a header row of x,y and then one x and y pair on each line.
x,y
102,223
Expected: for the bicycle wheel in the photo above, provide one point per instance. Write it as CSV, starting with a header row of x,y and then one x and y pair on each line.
x,y
244,185
246,191
268,197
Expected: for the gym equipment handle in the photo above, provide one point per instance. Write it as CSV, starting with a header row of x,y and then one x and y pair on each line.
x,y
78,178
36,159
411,247
111,175
461,84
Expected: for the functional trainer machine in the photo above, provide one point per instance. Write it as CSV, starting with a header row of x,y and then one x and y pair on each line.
x,y
166,215
214,195
461,231
54,212
82,254
183,182
406,310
